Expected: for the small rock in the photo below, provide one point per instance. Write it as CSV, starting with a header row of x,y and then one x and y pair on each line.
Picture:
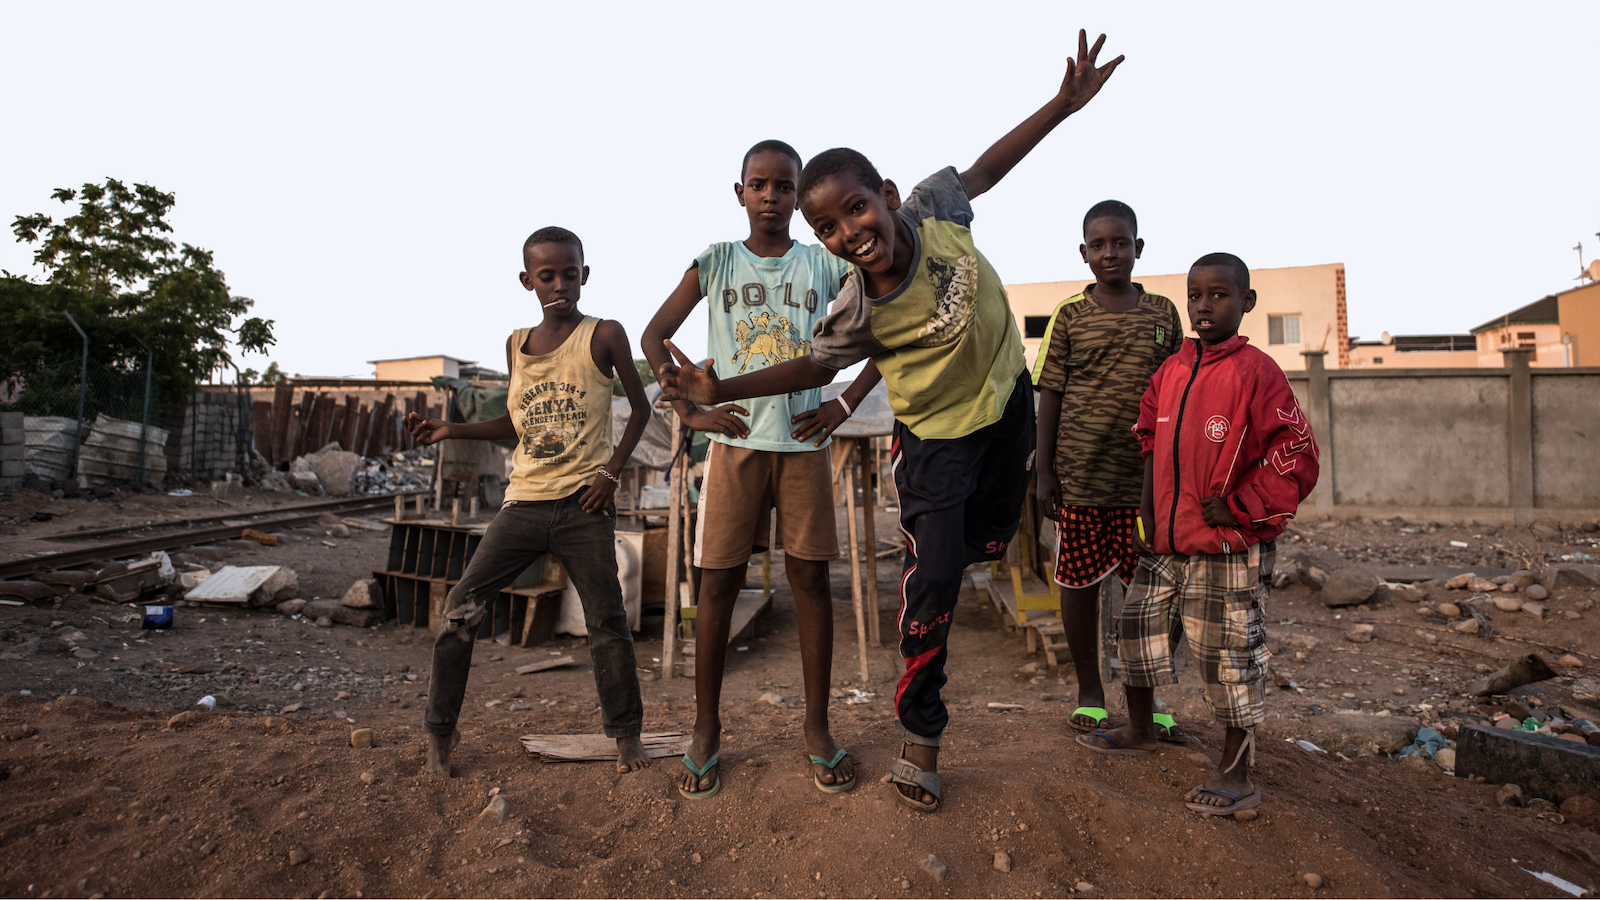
x,y
324,622
1246,815
935,867
296,857
497,809
369,777
1460,582
84,653
1083,887
1482,586
1449,610
1360,634
1523,578
364,594
1313,880
1570,662
1446,758
293,707
1030,669
1506,603
361,738
1469,626
520,707
1424,610
1002,861
774,699
1314,578
1509,795
694,859
208,848
1582,810
905,884
1348,587
1533,609
290,607
340,530
1508,588
1537,592
187,717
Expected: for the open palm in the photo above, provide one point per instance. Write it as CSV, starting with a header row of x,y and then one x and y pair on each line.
x,y
1083,79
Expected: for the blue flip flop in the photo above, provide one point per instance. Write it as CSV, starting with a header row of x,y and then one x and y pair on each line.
x,y
700,772
1116,748
837,787
1241,802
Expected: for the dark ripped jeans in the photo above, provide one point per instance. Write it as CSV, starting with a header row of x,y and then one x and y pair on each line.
x,y
519,535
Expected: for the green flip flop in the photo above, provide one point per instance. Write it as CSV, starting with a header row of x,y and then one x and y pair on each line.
x,y
837,787
1093,717
700,772
1167,729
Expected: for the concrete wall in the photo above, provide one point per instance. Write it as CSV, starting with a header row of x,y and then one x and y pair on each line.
x,y
1508,445
1314,293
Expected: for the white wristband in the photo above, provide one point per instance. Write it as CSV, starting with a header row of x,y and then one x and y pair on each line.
x,y
847,410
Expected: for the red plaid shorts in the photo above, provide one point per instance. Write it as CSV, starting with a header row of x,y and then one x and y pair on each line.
x,y
1094,543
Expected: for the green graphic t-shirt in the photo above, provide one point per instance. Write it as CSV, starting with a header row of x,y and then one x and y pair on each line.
x,y
1101,362
945,339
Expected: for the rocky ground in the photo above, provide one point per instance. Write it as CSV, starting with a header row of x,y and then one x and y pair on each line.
x,y
266,795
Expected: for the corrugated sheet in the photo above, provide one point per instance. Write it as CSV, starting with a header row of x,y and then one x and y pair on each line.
x,y
111,452
49,445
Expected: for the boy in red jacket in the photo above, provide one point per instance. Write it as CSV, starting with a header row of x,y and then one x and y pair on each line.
x,y
1228,456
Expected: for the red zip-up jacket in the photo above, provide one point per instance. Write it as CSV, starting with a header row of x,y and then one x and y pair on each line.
x,y
1222,422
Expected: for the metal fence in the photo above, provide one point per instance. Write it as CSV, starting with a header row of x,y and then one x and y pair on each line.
x,y
66,399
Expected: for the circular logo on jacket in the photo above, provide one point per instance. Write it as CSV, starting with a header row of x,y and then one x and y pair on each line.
x,y
1217,428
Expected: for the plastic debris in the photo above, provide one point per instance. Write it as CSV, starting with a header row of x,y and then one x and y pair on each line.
x,y
1428,743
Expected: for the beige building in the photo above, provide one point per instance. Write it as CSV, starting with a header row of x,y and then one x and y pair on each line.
x,y
1563,330
1416,351
418,368
1297,308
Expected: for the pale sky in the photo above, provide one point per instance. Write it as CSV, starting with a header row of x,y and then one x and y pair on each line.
x,y
367,173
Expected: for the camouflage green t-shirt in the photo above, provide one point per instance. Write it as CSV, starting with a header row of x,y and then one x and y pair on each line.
x,y
1101,363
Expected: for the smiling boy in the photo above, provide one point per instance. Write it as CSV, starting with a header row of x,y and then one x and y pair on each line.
x,y
1228,458
766,293
931,313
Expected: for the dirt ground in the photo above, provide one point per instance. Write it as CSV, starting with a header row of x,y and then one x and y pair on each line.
x,y
103,798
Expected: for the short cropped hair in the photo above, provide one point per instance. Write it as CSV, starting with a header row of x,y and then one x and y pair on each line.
x,y
1113,209
838,161
1241,272
552,234
769,147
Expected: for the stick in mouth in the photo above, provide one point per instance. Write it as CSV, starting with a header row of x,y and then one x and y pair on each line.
x,y
553,303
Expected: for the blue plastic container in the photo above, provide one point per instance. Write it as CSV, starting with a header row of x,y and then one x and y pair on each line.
x,y
157,617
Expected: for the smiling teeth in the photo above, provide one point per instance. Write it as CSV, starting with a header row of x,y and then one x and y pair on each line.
x,y
867,248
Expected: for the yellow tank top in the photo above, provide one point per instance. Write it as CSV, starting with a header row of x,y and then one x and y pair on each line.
x,y
560,404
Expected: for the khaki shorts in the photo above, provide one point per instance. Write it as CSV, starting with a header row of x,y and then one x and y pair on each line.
x,y
737,496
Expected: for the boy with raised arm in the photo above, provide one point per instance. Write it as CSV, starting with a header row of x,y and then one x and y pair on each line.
x,y
1100,349
565,472
1228,457
924,305
766,293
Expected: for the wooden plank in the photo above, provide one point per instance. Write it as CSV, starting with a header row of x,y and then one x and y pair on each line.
x,y
855,564
669,628
352,423
553,748
543,664
746,607
868,511
282,415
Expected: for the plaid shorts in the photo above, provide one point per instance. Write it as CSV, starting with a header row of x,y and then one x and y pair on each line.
x,y
1094,543
1221,599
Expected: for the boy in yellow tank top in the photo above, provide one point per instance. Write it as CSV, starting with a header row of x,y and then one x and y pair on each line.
x,y
565,472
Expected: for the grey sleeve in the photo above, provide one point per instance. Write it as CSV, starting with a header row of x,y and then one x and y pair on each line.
x,y
844,336
942,195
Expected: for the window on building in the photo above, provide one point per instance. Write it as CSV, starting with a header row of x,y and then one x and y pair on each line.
x,y
1034,326
1283,329
1377,360
1527,339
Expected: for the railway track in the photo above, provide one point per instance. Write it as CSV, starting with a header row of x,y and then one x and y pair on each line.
x,y
186,533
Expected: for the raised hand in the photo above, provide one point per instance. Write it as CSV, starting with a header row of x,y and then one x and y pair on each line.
x,y
687,381
426,431
1083,80
721,420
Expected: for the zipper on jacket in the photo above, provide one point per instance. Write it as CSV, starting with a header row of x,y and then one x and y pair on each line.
x,y
1177,432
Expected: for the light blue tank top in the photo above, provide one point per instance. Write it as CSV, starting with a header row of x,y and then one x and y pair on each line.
x,y
762,312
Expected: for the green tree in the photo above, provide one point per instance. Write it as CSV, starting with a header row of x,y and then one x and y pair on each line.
x,y
110,263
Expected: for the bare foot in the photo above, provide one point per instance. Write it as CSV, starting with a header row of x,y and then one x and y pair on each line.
x,y
821,743
924,758
630,755
1127,738
439,747
705,744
